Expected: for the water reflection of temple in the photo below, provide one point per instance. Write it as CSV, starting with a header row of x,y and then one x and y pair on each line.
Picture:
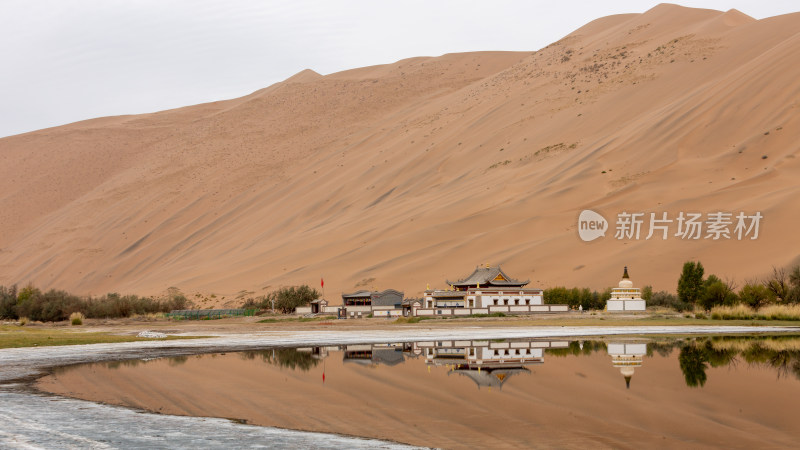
x,y
487,363
627,356
374,354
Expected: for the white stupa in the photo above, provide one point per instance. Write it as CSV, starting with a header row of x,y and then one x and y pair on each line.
x,y
625,297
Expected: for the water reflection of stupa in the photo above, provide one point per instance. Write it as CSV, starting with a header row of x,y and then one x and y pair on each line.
x,y
487,363
627,356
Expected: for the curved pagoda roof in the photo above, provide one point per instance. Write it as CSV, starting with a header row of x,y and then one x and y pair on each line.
x,y
491,378
488,277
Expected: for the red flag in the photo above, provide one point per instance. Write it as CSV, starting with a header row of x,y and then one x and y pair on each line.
x,y
321,282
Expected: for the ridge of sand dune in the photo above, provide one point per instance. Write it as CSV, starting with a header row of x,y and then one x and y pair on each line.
x,y
411,173
303,76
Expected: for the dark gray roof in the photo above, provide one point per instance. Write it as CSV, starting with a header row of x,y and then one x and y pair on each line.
x,y
385,356
388,297
388,356
486,276
448,294
358,294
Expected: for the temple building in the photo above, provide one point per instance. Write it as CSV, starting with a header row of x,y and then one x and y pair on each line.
x,y
627,356
487,290
625,297
379,304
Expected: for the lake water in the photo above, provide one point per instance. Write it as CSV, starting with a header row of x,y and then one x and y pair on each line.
x,y
618,392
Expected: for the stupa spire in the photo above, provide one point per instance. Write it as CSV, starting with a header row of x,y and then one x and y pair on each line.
x,y
625,274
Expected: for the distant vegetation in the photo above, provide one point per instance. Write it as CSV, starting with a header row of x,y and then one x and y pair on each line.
x,y
289,358
54,305
775,297
284,300
577,297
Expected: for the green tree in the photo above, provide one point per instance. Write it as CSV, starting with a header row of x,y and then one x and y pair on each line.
x,y
778,284
287,299
8,302
690,284
794,283
754,295
717,292
647,293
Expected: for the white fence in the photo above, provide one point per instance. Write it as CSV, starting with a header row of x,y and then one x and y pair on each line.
x,y
506,309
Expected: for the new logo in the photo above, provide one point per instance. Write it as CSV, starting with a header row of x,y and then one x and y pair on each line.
x,y
591,225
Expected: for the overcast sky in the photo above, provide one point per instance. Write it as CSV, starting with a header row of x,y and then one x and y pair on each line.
x,y
64,61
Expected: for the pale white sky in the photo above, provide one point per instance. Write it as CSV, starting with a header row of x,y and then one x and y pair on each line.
x,y
64,61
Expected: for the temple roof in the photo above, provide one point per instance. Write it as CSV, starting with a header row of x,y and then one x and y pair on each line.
x,y
491,378
371,294
489,276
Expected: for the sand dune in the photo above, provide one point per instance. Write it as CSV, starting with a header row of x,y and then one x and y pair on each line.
x,y
411,173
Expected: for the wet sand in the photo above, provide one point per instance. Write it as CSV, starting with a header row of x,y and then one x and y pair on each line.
x,y
566,402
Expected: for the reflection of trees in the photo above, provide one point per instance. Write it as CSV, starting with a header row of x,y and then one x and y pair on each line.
x,y
124,363
574,348
662,348
177,360
284,357
786,362
781,353
692,360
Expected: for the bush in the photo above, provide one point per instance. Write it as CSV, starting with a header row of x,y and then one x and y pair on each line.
x,y
744,312
647,293
288,299
23,321
576,297
778,285
54,305
8,302
779,312
664,298
716,293
755,295
76,318
737,312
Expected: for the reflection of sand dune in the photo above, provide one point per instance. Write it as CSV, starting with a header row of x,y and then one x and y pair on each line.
x,y
400,173
566,402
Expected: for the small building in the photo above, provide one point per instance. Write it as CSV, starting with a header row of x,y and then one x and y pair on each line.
x,y
318,305
487,290
625,297
387,303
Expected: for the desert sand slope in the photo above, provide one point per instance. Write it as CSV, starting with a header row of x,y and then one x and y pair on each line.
x,y
413,172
